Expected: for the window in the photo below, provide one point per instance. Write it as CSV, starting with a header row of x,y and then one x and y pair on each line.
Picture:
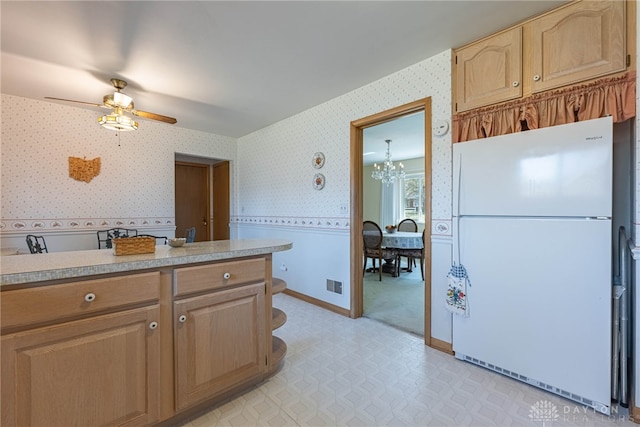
x,y
414,197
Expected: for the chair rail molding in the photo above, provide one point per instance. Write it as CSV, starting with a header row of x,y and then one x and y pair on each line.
x,y
316,223
16,225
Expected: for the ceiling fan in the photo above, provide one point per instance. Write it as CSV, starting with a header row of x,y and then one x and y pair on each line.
x,y
120,103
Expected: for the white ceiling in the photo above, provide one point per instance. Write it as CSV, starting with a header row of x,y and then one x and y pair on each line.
x,y
231,67
407,139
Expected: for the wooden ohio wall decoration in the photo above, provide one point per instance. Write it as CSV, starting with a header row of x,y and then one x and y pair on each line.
x,y
84,170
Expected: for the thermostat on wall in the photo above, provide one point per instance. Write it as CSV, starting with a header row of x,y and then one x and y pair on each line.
x,y
441,127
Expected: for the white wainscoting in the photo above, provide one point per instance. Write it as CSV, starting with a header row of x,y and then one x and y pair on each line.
x,y
68,240
441,258
321,254
316,255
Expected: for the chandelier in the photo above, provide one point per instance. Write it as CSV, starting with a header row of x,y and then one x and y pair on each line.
x,y
387,172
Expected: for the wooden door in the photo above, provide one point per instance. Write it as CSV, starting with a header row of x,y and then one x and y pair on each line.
x,y
489,71
102,370
221,201
192,199
580,42
220,342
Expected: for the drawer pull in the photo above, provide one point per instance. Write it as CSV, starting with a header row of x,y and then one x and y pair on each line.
x,y
515,83
153,325
89,297
182,319
226,275
536,78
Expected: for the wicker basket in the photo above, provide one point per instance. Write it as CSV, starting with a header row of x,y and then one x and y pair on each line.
x,y
134,245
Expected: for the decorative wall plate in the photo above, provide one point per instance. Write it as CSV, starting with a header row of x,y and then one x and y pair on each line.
x,y
318,181
318,160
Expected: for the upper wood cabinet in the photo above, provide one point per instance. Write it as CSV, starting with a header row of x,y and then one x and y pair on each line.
x,y
580,42
574,43
490,71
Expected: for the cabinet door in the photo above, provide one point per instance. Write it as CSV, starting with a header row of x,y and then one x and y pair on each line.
x,y
98,371
219,342
489,71
577,43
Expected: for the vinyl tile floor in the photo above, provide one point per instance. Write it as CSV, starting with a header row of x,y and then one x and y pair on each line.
x,y
360,372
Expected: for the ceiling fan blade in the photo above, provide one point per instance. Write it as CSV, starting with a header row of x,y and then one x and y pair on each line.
x,y
154,116
78,102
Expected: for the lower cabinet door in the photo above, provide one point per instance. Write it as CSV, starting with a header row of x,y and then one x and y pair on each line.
x,y
219,342
99,371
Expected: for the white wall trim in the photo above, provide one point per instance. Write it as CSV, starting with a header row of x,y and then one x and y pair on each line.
x,y
295,222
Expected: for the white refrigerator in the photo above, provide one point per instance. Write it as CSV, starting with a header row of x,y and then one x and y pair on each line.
x,y
532,227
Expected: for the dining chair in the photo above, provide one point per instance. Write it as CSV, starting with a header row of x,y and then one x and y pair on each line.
x,y
190,235
372,248
163,239
105,237
411,255
36,244
409,225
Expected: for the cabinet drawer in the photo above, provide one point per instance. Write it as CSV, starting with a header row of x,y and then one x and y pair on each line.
x,y
57,302
205,277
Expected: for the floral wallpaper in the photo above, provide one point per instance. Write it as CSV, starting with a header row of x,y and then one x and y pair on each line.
x,y
135,186
279,189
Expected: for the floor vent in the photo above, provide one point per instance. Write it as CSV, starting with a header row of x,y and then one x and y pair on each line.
x,y
600,407
334,286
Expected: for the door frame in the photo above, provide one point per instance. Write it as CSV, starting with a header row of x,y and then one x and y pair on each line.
x,y
220,194
357,168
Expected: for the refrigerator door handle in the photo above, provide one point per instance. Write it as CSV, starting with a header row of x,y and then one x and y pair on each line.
x,y
459,186
457,255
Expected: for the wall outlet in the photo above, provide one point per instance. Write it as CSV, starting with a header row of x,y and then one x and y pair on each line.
x,y
283,267
344,209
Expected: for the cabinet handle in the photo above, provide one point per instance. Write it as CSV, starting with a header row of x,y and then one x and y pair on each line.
x,y
153,325
226,275
536,78
89,297
182,319
515,83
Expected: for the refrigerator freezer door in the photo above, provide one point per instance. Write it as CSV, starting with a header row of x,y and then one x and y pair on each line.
x,y
539,300
558,171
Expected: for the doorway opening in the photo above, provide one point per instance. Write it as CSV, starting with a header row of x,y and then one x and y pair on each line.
x,y
396,299
357,170
202,197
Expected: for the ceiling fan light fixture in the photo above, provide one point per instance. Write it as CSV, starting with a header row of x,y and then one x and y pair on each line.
x,y
118,122
122,100
118,100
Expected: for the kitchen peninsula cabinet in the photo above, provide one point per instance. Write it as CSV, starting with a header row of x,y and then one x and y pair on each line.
x,y
278,318
574,43
51,366
89,338
220,336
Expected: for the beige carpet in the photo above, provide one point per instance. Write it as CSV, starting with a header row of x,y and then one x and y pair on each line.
x,y
396,301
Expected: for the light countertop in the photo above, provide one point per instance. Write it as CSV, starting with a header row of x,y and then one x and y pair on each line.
x,y
62,265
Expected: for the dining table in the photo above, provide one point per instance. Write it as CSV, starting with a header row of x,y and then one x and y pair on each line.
x,y
402,240
399,240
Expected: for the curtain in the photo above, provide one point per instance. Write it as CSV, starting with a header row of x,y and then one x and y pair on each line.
x,y
614,96
391,203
